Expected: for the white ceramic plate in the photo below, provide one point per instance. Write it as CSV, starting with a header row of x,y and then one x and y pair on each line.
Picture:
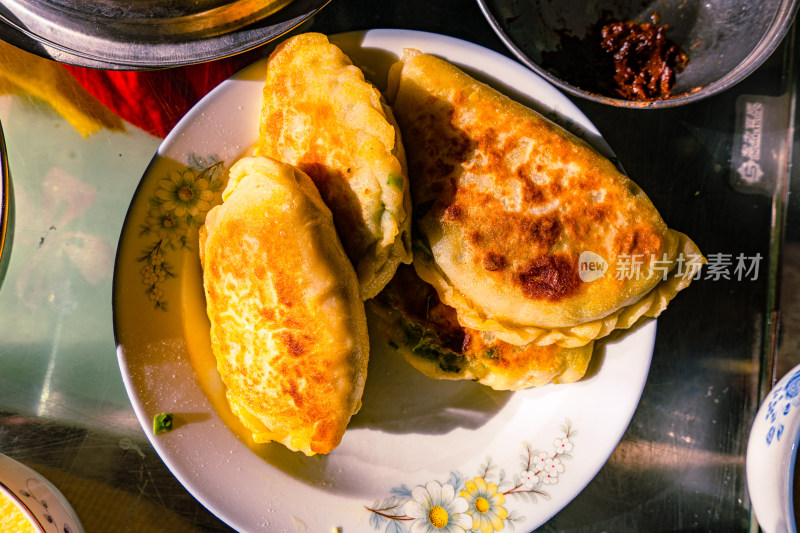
x,y
39,500
412,434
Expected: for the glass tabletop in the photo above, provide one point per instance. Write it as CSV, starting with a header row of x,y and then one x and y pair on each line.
x,y
719,347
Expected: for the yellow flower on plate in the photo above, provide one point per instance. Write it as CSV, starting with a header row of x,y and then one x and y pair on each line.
x,y
166,225
435,508
485,505
183,192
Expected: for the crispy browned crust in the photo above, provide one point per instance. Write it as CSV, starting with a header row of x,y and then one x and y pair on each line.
x,y
505,202
320,114
288,328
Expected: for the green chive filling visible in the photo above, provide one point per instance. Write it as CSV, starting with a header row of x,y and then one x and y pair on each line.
x,y
162,423
395,181
428,347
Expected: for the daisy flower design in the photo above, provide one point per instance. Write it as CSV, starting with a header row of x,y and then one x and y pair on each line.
x,y
435,508
166,225
178,204
183,192
486,502
485,505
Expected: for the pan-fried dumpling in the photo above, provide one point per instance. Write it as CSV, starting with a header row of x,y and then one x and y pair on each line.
x,y
321,115
509,208
428,335
288,328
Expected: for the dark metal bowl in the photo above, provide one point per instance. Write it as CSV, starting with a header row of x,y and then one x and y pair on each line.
x,y
146,34
725,40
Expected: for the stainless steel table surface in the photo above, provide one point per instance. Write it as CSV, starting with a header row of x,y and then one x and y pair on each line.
x,y
719,347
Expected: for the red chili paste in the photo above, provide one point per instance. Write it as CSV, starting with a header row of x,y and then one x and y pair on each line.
x,y
628,60
645,60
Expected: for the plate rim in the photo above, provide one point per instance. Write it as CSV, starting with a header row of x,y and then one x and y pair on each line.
x,y
40,518
177,132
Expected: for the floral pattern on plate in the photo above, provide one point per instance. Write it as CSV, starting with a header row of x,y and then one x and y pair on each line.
x,y
480,503
32,487
782,400
273,489
42,502
180,203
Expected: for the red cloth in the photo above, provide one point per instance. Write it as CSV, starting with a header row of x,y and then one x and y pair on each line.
x,y
155,100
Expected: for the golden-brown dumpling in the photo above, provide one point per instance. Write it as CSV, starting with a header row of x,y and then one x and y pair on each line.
x,y
509,208
428,335
288,328
321,115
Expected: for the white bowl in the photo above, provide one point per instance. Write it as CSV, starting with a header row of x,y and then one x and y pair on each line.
x,y
771,456
40,501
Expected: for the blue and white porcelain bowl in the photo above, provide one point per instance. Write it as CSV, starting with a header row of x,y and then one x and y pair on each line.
x,y
772,454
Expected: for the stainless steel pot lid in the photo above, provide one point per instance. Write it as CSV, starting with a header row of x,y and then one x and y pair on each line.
x,y
144,34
